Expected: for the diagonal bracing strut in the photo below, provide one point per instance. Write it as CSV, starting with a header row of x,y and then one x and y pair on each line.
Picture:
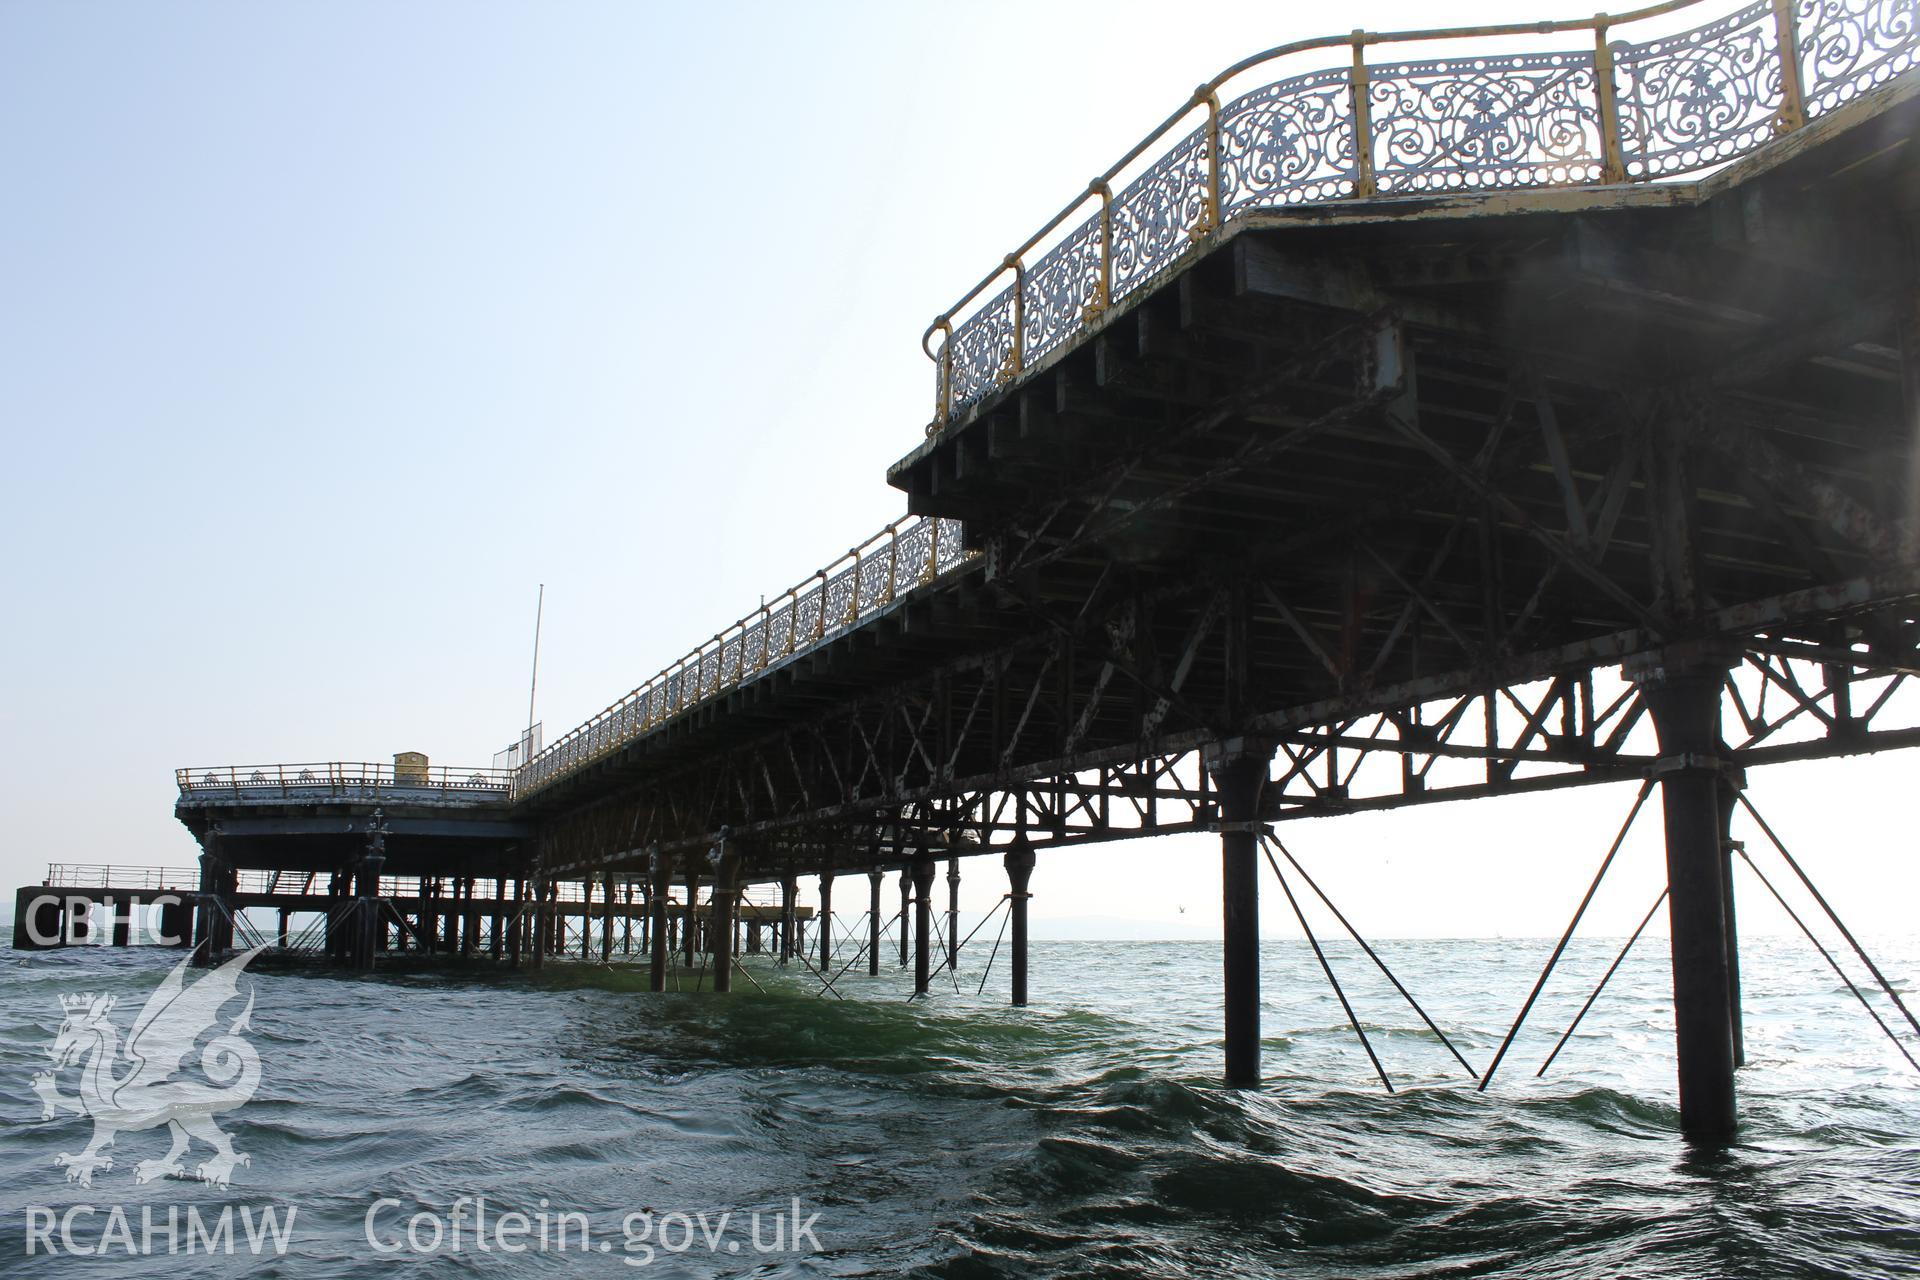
x,y
1371,954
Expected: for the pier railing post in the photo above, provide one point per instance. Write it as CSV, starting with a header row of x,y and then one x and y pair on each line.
x,y
1019,864
923,871
1239,770
1793,105
1360,91
1613,165
1681,692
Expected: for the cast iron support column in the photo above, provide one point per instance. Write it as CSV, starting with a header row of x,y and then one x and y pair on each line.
x,y
1239,769
874,877
1019,863
789,888
906,925
689,931
335,925
922,920
953,913
826,920
176,922
660,871
229,890
450,918
726,866
514,922
606,920
471,942
537,957
206,914
457,919
367,902
1726,794
1682,695
1910,390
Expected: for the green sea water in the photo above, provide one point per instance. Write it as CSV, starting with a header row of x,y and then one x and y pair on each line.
x,y
1086,1135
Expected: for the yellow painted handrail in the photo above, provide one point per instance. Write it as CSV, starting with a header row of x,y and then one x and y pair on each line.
x,y
864,581
1607,113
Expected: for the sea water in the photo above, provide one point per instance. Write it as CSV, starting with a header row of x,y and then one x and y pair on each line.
x,y
400,1117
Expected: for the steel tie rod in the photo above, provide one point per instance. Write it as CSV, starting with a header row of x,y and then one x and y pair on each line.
x,y
1646,789
1371,954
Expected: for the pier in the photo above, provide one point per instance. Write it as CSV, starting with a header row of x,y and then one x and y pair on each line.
x,y
1409,418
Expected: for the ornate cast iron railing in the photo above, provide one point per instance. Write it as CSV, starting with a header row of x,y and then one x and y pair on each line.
x,y
337,778
1612,111
906,554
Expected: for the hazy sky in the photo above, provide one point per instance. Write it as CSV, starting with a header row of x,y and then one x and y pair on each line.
x,y
327,331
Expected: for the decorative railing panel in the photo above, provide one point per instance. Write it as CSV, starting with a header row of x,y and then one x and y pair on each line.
x,y
1613,111
1061,289
1466,123
1701,97
1288,143
1849,46
337,778
905,555
982,352
1156,218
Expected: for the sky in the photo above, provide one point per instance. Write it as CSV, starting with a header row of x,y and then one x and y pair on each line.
x,y
330,331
